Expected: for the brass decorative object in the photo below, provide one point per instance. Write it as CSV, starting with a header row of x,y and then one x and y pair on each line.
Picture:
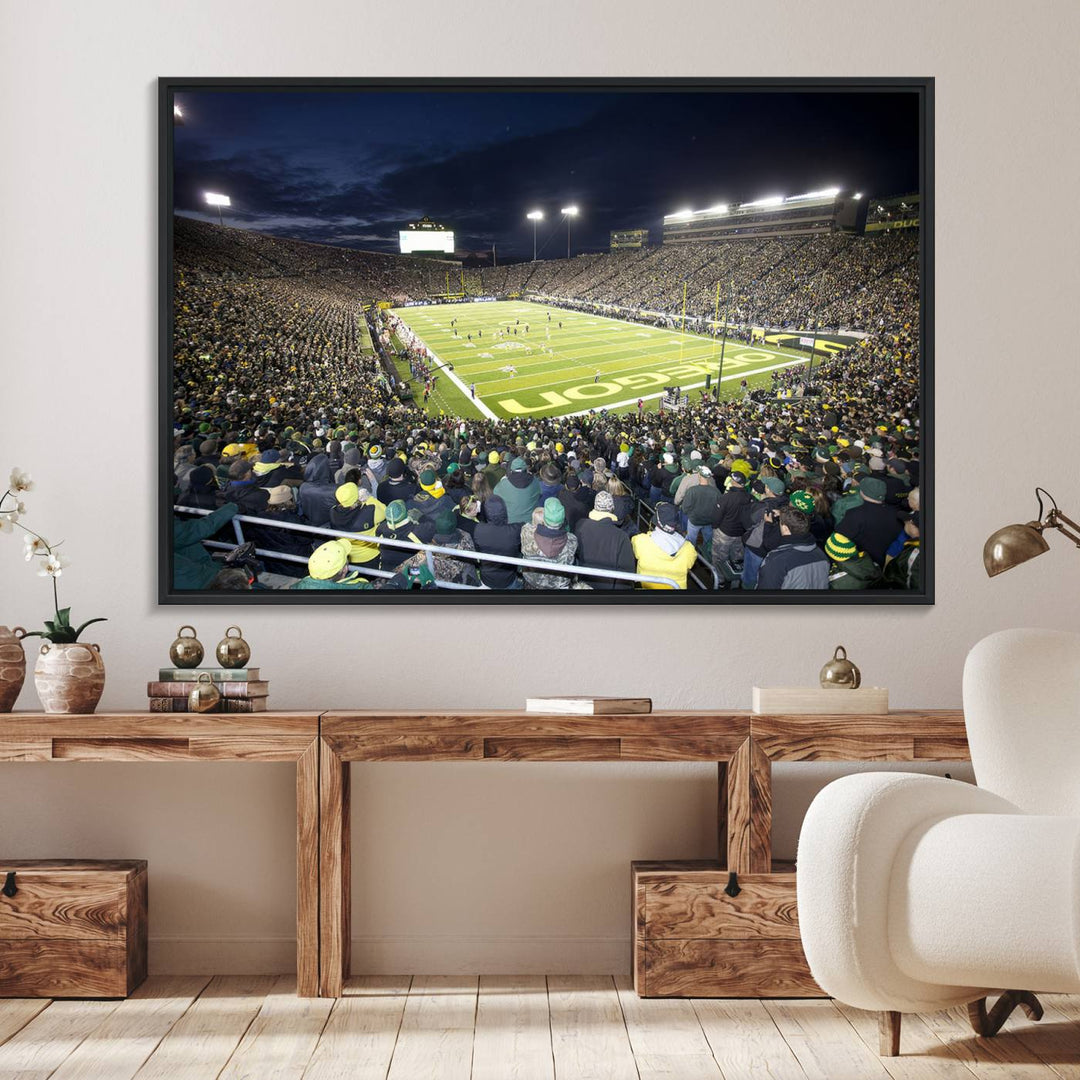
x,y
186,652
12,666
204,695
840,673
1015,544
233,652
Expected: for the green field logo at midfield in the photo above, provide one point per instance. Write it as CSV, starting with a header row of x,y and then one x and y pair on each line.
x,y
587,394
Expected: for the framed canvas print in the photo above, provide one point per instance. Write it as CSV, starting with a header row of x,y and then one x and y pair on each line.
x,y
546,341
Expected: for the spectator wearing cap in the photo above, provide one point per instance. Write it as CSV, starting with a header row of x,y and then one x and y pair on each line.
x,y
551,479
850,568
873,526
202,489
494,534
431,499
664,551
848,500
267,468
897,483
520,490
576,501
446,567
548,541
797,562
376,462
492,466
455,484
357,511
699,505
397,484
732,513
602,544
243,490
904,570
397,525
762,526
328,568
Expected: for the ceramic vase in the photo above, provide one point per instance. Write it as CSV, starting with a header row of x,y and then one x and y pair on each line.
x,y
12,666
69,678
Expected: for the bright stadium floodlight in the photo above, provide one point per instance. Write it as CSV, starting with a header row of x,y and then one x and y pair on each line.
x,y
858,194
719,208
569,212
177,113
769,200
824,193
534,216
214,199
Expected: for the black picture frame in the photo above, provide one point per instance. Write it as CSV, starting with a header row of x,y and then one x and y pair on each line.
x,y
923,87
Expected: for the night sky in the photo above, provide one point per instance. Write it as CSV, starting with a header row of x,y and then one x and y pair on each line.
x,y
351,167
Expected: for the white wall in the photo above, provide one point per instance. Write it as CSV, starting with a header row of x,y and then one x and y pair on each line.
x,y
493,867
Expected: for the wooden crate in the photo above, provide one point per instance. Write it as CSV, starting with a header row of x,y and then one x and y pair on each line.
x,y
691,939
73,928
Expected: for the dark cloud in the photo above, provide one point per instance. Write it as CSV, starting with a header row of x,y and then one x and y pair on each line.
x,y
349,168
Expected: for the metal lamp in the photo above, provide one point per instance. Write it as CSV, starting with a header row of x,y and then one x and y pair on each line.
x,y
1015,544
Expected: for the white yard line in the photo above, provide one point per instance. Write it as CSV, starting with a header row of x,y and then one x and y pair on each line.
x,y
452,376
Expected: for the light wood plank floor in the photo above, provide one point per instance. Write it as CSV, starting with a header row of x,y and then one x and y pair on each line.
x,y
524,1027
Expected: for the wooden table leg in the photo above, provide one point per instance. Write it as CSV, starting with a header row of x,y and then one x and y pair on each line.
x,y
334,872
307,872
749,810
722,813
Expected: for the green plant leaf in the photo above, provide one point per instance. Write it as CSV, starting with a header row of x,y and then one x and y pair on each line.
x,y
63,616
50,625
86,624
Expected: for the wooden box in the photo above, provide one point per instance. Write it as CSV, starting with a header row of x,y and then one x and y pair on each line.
x,y
818,701
691,939
72,928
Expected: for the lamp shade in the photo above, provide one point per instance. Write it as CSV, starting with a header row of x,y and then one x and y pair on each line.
x,y
1012,545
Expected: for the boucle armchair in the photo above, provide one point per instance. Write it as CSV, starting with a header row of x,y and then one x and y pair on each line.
x,y
918,893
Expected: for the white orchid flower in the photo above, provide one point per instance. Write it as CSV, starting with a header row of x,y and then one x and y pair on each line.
x,y
20,481
7,520
34,545
53,566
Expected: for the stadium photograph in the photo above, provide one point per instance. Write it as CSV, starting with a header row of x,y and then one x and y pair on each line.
x,y
546,341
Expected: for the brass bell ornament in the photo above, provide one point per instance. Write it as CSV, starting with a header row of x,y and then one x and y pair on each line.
x,y
840,673
233,652
204,696
186,652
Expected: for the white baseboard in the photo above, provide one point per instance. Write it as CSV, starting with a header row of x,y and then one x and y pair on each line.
x,y
431,954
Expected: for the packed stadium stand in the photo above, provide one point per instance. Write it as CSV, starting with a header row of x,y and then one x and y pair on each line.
x,y
287,418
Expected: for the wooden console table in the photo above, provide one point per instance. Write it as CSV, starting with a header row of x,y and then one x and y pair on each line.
x,y
323,745
743,745
260,737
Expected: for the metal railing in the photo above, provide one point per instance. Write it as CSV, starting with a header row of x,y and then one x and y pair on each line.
x,y
429,549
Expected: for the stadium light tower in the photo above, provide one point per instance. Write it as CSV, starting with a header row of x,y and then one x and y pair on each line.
x,y
214,199
534,216
569,212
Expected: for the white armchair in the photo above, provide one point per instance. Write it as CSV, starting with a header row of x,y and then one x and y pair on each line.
x,y
918,893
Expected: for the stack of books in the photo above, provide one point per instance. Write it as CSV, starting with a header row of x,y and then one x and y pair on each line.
x,y
241,689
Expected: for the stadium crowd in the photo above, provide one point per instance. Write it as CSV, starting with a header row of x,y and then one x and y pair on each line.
x,y
282,412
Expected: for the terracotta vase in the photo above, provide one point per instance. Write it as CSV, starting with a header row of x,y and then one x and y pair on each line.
x,y
12,666
69,678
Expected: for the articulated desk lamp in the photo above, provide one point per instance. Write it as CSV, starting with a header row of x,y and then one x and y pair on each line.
x,y
1014,544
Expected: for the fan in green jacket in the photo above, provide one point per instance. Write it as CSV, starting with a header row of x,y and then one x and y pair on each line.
x,y
193,566
851,568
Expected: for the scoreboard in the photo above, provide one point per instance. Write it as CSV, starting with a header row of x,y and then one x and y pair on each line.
x,y
426,236
622,239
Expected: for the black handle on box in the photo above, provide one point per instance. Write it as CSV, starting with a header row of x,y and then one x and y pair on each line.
x,y
9,884
732,888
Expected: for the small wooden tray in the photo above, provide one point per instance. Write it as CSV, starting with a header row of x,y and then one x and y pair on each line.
x,y
817,701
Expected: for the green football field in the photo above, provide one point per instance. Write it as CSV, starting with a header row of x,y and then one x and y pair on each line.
x,y
589,362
